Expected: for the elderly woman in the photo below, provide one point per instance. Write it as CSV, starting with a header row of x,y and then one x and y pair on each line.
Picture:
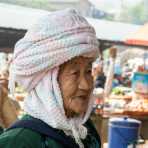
x,y
53,64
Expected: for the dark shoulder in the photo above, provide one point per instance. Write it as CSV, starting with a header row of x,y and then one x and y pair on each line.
x,y
19,138
92,132
89,124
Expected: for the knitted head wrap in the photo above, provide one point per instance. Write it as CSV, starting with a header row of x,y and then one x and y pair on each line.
x,y
51,41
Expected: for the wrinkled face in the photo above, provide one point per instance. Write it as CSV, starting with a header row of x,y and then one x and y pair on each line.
x,y
76,84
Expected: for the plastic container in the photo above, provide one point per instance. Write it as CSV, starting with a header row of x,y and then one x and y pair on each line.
x,y
123,132
140,82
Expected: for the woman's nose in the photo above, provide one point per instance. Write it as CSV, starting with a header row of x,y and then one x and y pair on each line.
x,y
83,84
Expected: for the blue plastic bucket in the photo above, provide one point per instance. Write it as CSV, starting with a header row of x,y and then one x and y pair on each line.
x,y
123,132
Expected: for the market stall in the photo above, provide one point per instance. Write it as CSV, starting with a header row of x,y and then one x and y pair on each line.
x,y
139,37
128,95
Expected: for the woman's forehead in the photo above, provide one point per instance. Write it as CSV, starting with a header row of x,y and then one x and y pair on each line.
x,y
93,54
79,60
82,59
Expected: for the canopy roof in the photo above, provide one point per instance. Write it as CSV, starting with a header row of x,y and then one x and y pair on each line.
x,y
111,30
140,37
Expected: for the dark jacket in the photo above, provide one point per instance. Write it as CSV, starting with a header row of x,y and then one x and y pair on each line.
x,y
26,138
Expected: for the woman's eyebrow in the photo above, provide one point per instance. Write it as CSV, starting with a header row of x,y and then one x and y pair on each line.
x,y
72,65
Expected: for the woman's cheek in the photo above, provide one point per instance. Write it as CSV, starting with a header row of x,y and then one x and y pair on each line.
x,y
70,86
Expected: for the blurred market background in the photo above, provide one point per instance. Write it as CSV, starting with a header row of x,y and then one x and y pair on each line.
x,y
122,30
131,11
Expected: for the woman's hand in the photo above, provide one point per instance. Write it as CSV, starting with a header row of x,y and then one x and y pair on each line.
x,y
3,90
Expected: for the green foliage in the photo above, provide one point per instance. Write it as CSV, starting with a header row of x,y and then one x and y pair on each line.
x,y
109,17
135,14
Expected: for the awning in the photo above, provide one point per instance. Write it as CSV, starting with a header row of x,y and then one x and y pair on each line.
x,y
140,37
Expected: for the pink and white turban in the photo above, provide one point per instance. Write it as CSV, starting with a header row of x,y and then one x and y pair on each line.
x,y
51,41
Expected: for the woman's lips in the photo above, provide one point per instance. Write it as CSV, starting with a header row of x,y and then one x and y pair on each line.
x,y
84,98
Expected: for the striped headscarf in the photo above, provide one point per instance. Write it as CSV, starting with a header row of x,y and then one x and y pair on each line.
x,y
50,42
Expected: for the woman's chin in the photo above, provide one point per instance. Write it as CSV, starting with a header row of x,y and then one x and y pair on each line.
x,y
81,111
76,113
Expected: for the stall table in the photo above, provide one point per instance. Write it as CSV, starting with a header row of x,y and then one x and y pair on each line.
x,y
101,124
145,145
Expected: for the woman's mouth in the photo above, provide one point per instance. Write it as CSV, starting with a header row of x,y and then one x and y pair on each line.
x,y
83,98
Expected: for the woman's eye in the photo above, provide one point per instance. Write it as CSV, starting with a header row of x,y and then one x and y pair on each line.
x,y
74,72
89,71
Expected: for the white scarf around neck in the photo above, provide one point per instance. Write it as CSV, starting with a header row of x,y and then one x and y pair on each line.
x,y
45,102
